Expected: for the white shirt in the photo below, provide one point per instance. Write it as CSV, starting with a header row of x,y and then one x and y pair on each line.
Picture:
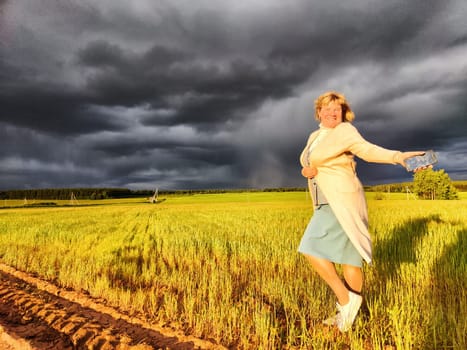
x,y
323,131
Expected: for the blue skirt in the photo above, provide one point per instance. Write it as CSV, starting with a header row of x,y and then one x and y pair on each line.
x,y
325,238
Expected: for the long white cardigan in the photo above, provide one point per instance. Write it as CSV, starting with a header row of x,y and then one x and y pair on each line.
x,y
337,178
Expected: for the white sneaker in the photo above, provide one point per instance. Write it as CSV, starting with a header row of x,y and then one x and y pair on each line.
x,y
348,312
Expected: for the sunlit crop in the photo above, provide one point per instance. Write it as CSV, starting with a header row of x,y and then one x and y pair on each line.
x,y
225,267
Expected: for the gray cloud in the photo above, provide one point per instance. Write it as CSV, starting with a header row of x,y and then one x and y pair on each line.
x,y
181,94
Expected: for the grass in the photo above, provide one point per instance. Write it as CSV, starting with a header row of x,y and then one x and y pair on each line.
x,y
225,266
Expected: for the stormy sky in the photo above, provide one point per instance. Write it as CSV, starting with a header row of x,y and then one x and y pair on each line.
x,y
183,94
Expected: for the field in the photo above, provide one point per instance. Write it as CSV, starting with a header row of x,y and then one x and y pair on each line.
x,y
225,267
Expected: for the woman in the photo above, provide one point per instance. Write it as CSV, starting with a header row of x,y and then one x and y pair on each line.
x,y
338,231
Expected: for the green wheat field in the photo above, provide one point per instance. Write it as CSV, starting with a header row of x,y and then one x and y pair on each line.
x,y
225,267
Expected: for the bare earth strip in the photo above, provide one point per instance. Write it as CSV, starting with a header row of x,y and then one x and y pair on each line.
x,y
35,314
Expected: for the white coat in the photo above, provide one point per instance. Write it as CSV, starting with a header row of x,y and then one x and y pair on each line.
x,y
334,159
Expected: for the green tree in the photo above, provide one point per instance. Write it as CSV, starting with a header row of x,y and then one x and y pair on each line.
x,y
430,184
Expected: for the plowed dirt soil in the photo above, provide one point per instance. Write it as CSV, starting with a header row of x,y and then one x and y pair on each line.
x,y
35,314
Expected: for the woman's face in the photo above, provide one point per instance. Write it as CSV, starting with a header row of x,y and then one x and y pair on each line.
x,y
330,115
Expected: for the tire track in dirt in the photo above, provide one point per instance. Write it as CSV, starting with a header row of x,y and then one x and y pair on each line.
x,y
44,316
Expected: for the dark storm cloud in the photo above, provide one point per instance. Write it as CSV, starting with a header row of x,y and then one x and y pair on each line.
x,y
187,151
230,96
185,94
378,29
55,111
196,90
117,77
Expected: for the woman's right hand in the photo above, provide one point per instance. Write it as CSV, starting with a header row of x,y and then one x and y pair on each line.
x,y
309,172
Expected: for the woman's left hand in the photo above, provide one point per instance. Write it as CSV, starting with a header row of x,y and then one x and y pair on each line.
x,y
406,155
309,172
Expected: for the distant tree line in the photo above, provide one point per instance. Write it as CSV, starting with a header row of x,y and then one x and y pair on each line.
x,y
392,187
112,193
460,185
80,193
446,187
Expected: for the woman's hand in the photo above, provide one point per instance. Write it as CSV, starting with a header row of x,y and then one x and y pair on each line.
x,y
309,172
407,155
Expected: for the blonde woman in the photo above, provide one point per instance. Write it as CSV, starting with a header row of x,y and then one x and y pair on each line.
x,y
338,231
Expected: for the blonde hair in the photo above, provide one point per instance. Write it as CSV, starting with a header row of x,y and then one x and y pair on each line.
x,y
333,96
